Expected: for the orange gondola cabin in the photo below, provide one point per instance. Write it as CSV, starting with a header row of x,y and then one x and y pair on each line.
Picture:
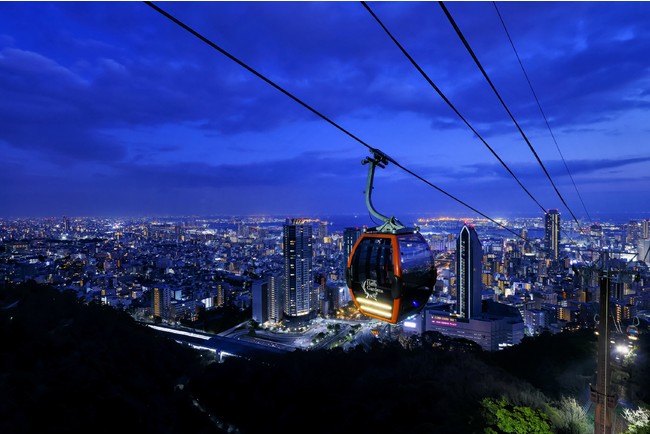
x,y
391,276
390,272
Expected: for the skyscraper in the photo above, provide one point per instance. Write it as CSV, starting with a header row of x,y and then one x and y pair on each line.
x,y
469,254
322,230
274,288
350,237
161,301
552,233
298,275
643,251
260,294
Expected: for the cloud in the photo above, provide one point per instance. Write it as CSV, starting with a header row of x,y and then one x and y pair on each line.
x,y
107,87
533,171
308,168
594,78
40,110
174,77
311,179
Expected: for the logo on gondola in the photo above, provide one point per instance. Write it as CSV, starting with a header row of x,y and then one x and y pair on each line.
x,y
369,286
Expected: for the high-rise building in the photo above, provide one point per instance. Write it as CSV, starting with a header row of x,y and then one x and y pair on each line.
x,y
161,301
350,237
322,230
633,231
298,274
643,251
260,294
469,255
645,229
275,306
552,233
243,231
221,294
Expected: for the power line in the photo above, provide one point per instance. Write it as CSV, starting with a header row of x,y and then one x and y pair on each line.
x,y
540,109
316,112
449,103
471,52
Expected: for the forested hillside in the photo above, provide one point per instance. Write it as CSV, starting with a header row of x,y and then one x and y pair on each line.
x,y
67,366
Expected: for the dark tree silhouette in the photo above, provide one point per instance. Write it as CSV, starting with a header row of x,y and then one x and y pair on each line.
x,y
70,367
66,366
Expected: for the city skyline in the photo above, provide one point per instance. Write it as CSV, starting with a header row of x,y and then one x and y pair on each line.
x,y
110,109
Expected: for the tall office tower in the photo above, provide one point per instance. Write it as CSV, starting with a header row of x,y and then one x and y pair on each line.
x,y
643,251
66,224
221,294
298,275
161,301
350,237
469,254
260,306
633,231
178,230
552,233
645,229
274,288
243,231
322,230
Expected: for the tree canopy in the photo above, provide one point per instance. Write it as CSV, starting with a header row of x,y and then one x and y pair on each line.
x,y
68,366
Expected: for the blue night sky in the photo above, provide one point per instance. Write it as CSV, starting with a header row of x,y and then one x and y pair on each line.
x,y
111,109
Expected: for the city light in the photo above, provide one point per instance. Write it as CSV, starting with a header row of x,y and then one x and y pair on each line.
x,y
187,268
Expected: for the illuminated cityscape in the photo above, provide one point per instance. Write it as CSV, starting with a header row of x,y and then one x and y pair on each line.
x,y
185,244
172,269
171,273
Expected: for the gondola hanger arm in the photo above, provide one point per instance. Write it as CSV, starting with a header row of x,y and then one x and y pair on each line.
x,y
379,159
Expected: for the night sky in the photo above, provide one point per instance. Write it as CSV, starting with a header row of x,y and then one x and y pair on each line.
x,y
111,109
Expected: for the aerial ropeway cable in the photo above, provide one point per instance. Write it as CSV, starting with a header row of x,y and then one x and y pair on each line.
x,y
539,105
449,103
390,271
319,114
494,89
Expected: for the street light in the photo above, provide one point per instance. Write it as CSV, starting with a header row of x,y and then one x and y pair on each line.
x,y
622,349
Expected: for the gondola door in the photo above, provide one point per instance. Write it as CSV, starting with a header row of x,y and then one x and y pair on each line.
x,y
374,276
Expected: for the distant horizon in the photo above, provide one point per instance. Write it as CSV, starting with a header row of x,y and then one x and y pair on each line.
x,y
619,216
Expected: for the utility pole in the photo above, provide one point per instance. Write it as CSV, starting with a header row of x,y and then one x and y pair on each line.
x,y
602,395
